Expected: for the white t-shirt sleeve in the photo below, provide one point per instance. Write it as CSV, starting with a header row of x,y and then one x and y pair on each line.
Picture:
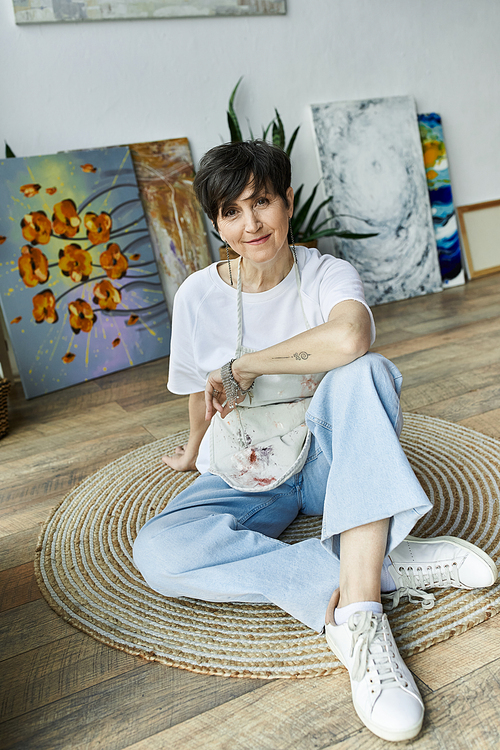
x,y
184,375
338,282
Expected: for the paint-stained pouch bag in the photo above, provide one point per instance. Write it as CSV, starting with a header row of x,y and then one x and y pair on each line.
x,y
257,448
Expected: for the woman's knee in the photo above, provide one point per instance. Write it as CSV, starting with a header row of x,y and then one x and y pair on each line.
x,y
157,545
370,367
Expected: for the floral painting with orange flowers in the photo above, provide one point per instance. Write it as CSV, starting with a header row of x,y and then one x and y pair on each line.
x,y
80,290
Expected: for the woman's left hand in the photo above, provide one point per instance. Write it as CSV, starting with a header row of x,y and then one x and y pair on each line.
x,y
215,395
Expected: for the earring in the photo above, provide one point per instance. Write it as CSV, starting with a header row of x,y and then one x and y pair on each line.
x,y
229,263
292,248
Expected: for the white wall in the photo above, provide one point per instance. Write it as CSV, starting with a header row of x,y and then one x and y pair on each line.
x,y
69,86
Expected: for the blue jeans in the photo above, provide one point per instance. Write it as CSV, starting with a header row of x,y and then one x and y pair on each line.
x,y
217,544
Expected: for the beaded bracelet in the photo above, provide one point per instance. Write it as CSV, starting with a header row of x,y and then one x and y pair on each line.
x,y
231,386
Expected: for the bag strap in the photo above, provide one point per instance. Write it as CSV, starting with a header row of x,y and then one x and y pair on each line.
x,y
239,303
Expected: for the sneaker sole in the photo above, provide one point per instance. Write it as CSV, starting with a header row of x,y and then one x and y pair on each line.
x,y
466,545
384,734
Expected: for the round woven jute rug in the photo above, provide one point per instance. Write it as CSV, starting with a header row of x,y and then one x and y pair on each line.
x,y
85,570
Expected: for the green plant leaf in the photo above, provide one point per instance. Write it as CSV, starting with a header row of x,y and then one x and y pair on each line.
x,y
292,140
232,120
333,233
312,221
265,131
354,235
296,201
9,154
304,210
278,131
234,130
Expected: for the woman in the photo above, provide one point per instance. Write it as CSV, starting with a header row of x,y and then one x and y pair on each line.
x,y
272,348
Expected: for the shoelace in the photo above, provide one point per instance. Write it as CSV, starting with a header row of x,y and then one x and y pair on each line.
x,y
392,598
433,576
371,649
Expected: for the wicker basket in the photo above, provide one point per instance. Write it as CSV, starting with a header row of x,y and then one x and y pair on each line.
x,y
4,411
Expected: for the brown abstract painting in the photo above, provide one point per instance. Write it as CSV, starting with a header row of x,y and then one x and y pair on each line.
x,y
164,171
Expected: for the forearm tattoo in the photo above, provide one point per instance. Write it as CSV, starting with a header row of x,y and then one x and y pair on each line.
x,y
297,355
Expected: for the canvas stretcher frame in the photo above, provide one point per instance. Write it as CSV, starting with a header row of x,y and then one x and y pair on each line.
x,y
481,239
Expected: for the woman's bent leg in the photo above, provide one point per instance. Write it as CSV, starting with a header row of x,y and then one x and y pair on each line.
x,y
355,417
217,544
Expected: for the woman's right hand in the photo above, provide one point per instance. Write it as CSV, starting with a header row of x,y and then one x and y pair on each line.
x,y
181,460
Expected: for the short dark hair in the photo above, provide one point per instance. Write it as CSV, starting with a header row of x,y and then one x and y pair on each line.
x,y
226,170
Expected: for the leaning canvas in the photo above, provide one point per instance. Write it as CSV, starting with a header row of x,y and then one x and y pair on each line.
x,y
79,286
371,160
441,198
165,174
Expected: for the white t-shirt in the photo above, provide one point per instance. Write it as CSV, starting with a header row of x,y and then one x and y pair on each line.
x,y
204,321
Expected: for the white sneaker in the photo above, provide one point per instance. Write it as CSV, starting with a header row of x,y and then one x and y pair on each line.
x,y
441,562
384,692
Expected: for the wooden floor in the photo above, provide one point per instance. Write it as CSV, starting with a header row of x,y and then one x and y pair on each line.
x,y
62,689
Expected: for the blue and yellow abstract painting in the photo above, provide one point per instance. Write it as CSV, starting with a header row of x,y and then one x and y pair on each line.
x,y
443,212
79,286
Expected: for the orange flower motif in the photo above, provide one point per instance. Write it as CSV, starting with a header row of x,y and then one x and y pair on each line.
x,y
81,316
115,342
51,191
107,295
29,190
68,357
2,239
65,219
113,261
132,320
16,320
36,227
44,307
98,227
33,266
75,263
88,167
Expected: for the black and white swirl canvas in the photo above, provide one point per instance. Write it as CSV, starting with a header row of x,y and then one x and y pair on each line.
x,y
371,159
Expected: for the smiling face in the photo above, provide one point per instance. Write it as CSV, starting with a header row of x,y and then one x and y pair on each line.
x,y
255,225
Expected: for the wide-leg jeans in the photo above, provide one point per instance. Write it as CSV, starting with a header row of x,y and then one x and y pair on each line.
x,y
218,544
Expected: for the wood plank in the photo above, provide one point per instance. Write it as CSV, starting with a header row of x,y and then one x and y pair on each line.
x,y
73,430
51,471
487,422
438,363
19,548
465,405
18,586
78,398
30,626
29,517
123,709
458,656
419,396
465,714
55,670
442,338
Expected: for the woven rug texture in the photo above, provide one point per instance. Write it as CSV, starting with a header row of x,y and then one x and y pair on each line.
x,y
85,570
